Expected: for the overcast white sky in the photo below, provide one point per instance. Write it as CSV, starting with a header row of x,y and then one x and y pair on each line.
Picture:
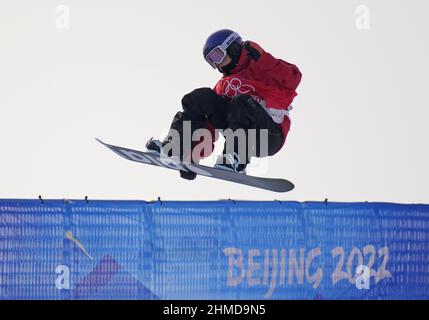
x,y
360,124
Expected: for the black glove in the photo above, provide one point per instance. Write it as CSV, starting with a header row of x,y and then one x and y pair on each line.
x,y
188,175
253,51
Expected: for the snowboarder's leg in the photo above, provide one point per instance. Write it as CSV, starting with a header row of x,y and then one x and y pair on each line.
x,y
245,113
205,104
239,119
200,107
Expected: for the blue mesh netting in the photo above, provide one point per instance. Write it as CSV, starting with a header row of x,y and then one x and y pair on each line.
x,y
212,250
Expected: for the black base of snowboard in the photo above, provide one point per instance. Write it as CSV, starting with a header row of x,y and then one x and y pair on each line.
x,y
276,185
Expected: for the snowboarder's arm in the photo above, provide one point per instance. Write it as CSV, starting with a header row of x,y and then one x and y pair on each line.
x,y
282,73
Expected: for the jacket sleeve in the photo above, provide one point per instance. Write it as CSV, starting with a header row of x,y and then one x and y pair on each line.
x,y
279,72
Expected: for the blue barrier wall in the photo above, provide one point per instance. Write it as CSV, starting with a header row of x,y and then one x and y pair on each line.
x,y
212,250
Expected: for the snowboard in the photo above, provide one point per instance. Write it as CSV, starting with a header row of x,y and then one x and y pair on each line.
x,y
155,159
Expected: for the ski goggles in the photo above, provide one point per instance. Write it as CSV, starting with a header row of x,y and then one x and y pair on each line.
x,y
218,53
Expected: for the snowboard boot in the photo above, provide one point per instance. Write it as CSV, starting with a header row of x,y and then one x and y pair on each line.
x,y
155,146
230,162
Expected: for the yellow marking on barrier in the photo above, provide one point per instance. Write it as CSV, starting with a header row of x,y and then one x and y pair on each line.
x,y
70,236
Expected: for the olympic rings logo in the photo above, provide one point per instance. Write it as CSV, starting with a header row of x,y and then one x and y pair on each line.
x,y
237,87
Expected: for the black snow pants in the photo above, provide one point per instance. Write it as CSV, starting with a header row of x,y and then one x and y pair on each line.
x,y
241,112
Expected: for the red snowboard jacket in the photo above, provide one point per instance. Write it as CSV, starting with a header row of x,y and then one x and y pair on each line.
x,y
271,82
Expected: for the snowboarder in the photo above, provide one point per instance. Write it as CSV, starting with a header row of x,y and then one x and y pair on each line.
x,y
255,92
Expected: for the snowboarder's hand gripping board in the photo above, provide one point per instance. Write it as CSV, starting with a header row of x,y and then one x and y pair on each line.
x,y
276,185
